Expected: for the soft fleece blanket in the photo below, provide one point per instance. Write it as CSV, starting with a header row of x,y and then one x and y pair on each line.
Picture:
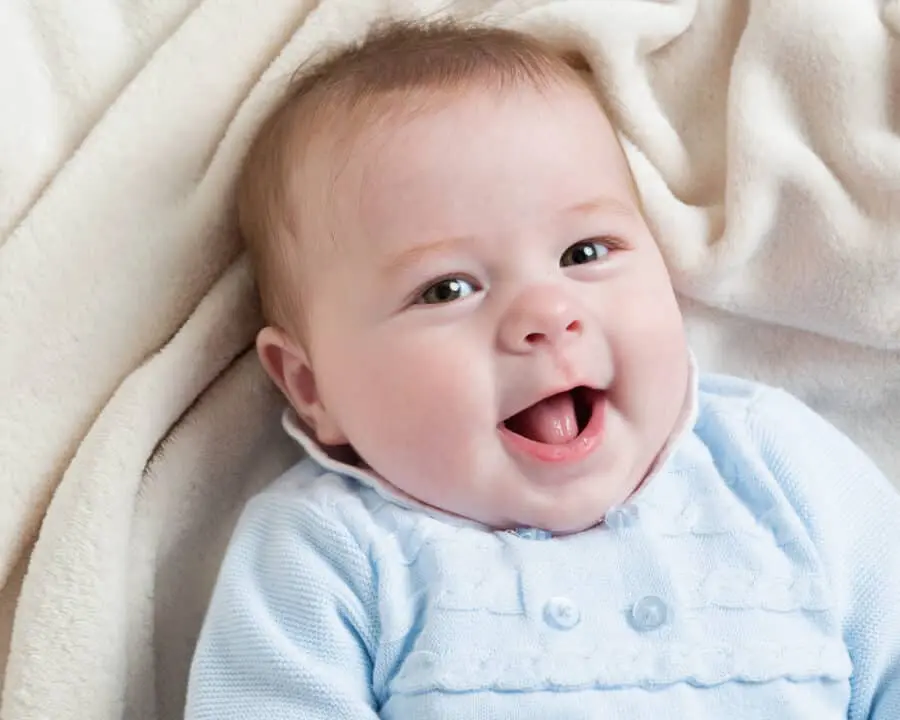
x,y
134,419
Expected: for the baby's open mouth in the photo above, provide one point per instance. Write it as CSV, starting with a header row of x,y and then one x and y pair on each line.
x,y
557,419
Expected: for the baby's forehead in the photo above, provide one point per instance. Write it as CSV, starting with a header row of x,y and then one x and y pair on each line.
x,y
344,196
347,135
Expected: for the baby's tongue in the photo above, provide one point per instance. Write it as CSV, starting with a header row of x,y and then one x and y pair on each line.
x,y
551,421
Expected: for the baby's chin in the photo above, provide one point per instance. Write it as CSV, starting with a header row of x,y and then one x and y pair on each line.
x,y
543,511
567,513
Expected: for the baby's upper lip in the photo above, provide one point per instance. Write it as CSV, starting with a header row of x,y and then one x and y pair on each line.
x,y
530,400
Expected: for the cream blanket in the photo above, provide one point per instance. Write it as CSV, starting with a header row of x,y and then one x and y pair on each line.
x,y
134,420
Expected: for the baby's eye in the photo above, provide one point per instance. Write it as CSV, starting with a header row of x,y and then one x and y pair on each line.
x,y
445,291
583,252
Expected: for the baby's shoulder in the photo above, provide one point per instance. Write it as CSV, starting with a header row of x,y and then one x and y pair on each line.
x,y
772,448
738,417
731,401
328,512
306,509
307,490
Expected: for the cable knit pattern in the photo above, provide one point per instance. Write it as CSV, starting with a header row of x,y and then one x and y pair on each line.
x,y
755,575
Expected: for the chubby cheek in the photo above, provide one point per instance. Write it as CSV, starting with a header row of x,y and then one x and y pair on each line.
x,y
651,357
408,409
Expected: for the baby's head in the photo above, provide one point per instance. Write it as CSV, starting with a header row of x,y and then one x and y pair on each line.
x,y
458,278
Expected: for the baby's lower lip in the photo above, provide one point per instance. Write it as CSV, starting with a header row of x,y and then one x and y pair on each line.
x,y
573,451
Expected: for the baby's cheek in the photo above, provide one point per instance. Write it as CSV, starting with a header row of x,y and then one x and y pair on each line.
x,y
436,435
400,415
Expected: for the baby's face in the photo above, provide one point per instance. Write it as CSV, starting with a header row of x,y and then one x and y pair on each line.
x,y
489,254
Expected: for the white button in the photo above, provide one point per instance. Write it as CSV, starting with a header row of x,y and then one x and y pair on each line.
x,y
561,613
648,613
622,517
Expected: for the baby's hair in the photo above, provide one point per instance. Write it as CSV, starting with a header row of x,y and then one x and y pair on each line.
x,y
394,59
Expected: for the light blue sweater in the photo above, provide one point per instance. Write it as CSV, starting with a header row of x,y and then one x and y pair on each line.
x,y
756,575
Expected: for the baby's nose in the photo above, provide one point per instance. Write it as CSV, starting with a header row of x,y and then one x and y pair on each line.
x,y
539,318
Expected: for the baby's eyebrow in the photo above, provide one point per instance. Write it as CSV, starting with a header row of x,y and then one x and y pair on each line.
x,y
601,205
417,253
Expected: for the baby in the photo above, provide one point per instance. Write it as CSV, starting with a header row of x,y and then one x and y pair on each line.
x,y
521,499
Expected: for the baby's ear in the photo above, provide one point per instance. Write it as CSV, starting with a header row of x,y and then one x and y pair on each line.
x,y
287,363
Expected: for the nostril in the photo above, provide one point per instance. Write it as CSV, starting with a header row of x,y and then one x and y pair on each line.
x,y
574,326
534,338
